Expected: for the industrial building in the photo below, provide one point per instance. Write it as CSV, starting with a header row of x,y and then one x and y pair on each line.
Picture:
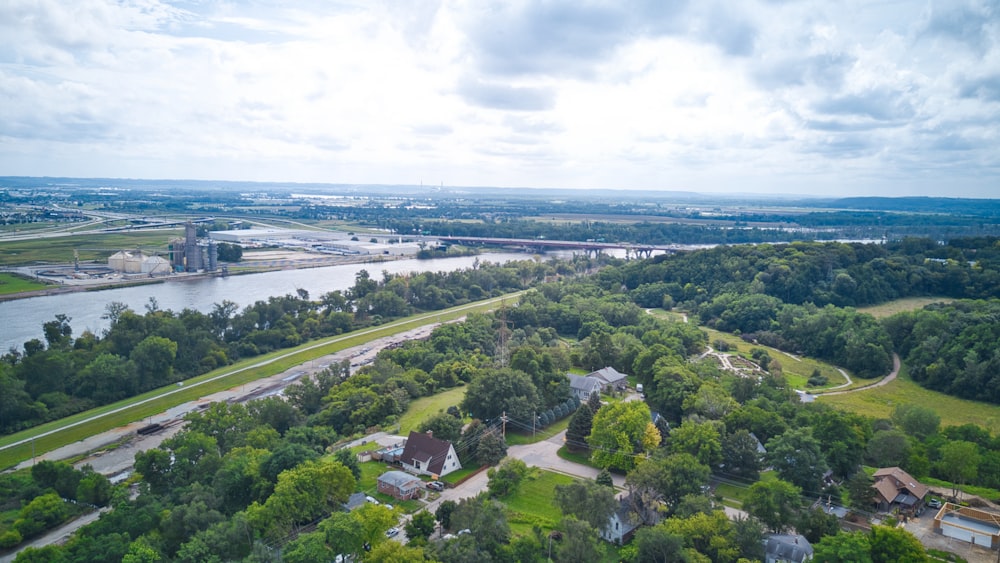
x,y
135,262
188,255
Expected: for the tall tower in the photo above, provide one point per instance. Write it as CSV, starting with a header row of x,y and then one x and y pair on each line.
x,y
192,254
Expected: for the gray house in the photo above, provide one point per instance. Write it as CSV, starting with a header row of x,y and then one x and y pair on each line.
x,y
583,386
787,548
610,378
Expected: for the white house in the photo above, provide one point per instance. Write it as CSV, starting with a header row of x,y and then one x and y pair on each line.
x,y
426,455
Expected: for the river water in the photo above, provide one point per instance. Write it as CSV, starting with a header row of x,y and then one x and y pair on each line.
x,y
21,319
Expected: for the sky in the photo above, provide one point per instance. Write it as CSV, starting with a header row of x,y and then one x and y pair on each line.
x,y
811,97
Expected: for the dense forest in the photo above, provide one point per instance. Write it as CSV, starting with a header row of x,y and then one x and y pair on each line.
x,y
64,375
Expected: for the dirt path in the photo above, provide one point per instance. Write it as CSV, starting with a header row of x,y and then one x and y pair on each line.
x,y
884,381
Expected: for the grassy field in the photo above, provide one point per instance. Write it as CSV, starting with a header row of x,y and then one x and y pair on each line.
x,y
11,283
900,305
130,410
93,246
879,402
532,503
426,407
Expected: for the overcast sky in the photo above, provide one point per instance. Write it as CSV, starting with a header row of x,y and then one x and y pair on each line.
x,y
808,97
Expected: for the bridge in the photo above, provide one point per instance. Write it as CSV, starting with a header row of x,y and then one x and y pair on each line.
x,y
639,250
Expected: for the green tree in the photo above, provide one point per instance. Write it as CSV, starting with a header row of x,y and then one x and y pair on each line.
x,y
444,426
154,361
888,448
307,548
916,420
709,534
491,448
505,478
302,494
798,458
579,428
740,455
420,526
579,541
657,545
959,463
774,503
395,552
500,391
700,439
667,479
587,501
891,545
604,479
860,491
843,548
443,513
621,431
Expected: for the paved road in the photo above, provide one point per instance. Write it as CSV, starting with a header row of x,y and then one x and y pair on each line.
x,y
59,535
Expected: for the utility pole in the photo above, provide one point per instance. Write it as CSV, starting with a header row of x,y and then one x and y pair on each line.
x,y
532,424
503,432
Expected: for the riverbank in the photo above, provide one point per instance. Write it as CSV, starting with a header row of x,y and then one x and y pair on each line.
x,y
70,285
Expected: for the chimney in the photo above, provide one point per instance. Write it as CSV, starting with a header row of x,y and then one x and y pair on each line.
x,y
430,433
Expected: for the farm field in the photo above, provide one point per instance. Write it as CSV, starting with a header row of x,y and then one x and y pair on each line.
x,y
10,283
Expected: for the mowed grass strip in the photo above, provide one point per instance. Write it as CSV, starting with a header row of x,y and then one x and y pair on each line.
x,y
879,402
12,283
170,395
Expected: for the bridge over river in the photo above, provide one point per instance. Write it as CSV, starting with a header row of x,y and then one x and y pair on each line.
x,y
639,250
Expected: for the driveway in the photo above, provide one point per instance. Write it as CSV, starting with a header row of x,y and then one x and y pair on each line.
x,y
544,455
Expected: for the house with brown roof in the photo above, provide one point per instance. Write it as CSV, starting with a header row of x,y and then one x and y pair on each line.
x,y
896,489
400,485
426,455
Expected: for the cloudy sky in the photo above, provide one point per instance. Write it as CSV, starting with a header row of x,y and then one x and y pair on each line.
x,y
818,97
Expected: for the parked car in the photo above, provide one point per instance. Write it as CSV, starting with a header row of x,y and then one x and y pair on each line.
x,y
934,503
435,486
392,532
372,500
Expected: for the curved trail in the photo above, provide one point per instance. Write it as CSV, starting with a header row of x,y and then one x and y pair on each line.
x,y
884,381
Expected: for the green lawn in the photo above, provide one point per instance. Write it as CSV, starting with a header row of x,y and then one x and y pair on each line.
x,y
194,388
879,402
531,504
456,476
426,407
518,439
583,458
12,283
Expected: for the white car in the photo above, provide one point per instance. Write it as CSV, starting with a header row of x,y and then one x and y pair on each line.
x,y
372,500
392,532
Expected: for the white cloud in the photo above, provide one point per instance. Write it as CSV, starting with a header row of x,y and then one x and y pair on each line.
x,y
895,98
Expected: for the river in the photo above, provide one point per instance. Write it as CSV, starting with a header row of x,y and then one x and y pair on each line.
x,y
22,318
